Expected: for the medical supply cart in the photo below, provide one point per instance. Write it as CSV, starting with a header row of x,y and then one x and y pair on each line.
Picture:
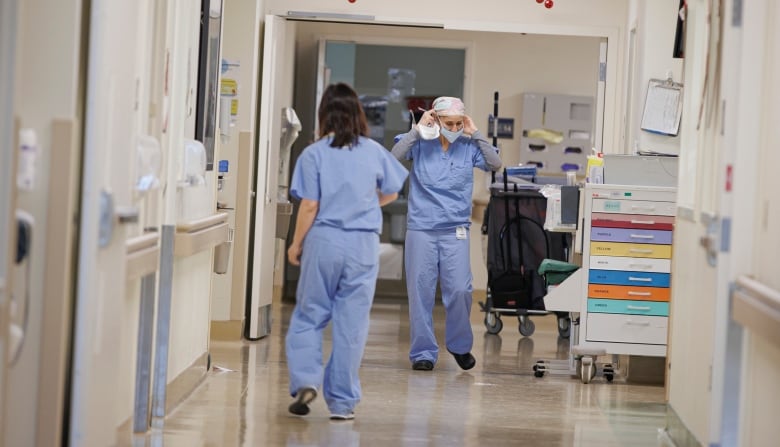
x,y
627,252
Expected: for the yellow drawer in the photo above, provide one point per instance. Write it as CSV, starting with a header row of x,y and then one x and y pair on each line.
x,y
630,250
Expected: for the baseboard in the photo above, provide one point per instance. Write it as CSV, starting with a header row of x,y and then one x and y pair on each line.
x,y
677,431
182,386
230,330
646,370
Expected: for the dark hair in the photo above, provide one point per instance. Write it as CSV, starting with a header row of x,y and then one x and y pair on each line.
x,y
342,115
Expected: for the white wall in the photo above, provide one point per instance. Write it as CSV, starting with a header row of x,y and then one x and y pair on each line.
x,y
724,381
190,304
760,363
189,312
606,18
241,27
655,22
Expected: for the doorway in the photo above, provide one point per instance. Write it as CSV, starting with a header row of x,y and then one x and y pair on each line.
x,y
507,61
392,81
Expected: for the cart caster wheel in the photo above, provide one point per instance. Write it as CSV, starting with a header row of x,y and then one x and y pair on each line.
x,y
493,323
538,373
564,327
587,370
527,327
609,377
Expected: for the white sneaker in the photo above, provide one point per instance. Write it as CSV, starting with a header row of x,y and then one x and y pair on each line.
x,y
342,417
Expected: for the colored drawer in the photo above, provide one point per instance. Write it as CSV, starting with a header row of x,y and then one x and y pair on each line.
x,y
628,292
628,307
623,278
630,264
630,250
643,329
633,207
608,220
630,235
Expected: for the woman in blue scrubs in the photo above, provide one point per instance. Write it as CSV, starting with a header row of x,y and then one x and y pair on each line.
x,y
445,147
342,180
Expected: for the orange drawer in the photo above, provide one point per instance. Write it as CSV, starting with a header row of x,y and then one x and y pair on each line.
x,y
628,292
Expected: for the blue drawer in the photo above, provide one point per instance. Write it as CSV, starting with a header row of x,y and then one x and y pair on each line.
x,y
627,307
638,236
624,278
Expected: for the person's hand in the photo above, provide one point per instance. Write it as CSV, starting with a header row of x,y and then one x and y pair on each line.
x,y
428,118
294,254
468,125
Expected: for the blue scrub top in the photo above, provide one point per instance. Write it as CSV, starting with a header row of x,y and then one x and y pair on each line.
x,y
345,182
442,183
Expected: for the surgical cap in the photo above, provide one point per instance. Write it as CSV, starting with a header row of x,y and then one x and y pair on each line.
x,y
449,106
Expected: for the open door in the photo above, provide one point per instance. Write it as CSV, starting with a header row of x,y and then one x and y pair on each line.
x,y
275,94
110,137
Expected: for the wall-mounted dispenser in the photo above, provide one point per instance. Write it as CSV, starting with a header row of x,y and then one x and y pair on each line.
x,y
222,254
224,166
20,307
148,163
194,164
28,154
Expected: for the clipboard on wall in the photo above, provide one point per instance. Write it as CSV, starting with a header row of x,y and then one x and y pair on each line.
x,y
663,107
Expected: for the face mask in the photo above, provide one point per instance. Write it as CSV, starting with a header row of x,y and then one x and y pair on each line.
x,y
428,132
450,135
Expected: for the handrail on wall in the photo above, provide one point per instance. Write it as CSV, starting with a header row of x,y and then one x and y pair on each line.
x,y
201,234
756,307
143,255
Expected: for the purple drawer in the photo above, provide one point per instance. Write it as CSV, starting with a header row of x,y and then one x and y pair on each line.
x,y
634,235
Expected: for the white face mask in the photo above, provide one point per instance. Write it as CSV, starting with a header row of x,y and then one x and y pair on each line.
x,y
428,132
450,135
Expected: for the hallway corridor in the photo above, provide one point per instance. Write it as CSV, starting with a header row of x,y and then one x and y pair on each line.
x,y
498,403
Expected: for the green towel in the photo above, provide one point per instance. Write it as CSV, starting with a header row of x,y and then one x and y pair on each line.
x,y
556,271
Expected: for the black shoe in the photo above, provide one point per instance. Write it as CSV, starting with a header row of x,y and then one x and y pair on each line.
x,y
303,398
422,365
465,361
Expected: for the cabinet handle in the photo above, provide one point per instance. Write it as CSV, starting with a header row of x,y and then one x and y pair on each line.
x,y
643,222
633,278
630,307
642,236
645,207
640,266
637,323
632,293
639,250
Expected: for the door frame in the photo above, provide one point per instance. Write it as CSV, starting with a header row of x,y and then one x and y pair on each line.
x,y
611,106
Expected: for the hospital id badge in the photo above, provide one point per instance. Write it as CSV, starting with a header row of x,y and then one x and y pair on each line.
x,y
460,233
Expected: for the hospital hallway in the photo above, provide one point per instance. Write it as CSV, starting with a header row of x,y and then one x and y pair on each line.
x,y
243,399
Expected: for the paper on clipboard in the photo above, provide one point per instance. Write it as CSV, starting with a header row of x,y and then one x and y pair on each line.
x,y
663,107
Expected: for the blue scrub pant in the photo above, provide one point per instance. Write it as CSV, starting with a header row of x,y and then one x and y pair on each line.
x,y
431,256
337,282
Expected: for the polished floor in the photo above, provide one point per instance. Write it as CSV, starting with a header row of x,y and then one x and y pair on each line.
x,y
243,401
